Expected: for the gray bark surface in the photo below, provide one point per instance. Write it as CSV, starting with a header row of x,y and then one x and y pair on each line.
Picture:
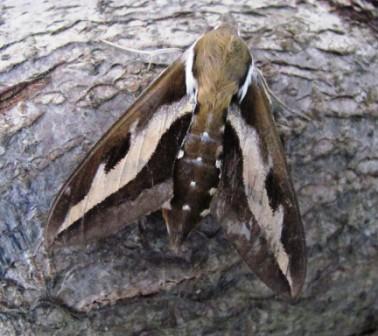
x,y
61,88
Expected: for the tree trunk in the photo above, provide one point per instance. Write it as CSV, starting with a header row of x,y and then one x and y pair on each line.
x,y
61,87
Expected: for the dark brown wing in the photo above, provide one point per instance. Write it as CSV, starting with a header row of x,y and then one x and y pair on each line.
x,y
256,202
128,173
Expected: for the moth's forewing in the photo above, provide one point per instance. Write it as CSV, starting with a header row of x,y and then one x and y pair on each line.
x,y
256,201
128,172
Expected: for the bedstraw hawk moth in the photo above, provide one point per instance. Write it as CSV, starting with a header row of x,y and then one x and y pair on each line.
x,y
200,139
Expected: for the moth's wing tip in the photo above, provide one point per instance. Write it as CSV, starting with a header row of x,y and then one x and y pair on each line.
x,y
296,291
298,268
288,291
52,226
49,237
297,286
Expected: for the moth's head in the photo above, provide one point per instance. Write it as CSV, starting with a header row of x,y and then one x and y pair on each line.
x,y
228,23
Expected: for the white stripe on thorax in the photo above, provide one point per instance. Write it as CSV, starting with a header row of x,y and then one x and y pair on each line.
x,y
247,82
190,82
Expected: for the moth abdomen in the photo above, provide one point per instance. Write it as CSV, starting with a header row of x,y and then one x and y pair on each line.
x,y
196,176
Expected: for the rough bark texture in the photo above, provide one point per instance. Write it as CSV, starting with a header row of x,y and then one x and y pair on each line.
x,y
61,88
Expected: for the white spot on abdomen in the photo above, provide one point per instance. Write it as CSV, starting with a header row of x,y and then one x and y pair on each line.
x,y
180,154
212,191
205,136
186,207
205,212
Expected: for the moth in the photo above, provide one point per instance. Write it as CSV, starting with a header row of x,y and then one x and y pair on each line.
x,y
199,140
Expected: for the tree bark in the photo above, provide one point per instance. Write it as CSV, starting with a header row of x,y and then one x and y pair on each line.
x,y
61,87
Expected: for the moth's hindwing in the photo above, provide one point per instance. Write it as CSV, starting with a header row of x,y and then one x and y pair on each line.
x,y
256,202
128,173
